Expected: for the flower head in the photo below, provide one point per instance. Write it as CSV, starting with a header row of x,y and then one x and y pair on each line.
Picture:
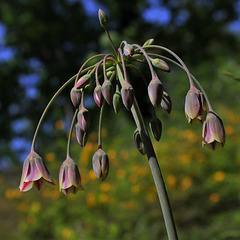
x,y
195,104
34,172
127,93
155,91
100,164
213,131
69,177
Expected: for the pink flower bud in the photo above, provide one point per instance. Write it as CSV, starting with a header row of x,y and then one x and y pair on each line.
x,y
81,135
69,177
83,81
103,19
97,95
195,105
156,128
155,91
83,118
100,164
75,96
34,172
161,64
128,50
107,91
213,131
127,93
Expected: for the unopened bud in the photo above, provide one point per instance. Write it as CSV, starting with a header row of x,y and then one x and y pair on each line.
x,y
103,19
83,119
75,96
127,93
128,50
107,91
156,128
166,102
81,135
117,102
83,81
148,42
155,91
97,95
100,164
161,64
138,142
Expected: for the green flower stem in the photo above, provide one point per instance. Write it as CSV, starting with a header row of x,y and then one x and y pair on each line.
x,y
154,166
178,58
100,126
147,58
194,79
111,42
47,107
70,133
86,62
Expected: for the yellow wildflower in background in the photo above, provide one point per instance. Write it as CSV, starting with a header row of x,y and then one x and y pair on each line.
x,y
66,233
171,181
186,183
214,197
105,186
219,176
13,193
60,124
91,199
121,173
50,157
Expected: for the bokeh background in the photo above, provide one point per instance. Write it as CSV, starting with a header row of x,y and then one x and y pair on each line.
x,y
42,44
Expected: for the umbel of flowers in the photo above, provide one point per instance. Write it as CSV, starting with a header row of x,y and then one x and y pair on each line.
x,y
108,82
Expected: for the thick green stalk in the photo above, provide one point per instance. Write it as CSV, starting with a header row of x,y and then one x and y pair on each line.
x,y
154,166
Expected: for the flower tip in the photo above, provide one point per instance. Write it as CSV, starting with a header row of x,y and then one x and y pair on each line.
x,y
103,19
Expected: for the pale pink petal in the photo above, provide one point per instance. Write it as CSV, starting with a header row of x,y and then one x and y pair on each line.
x,y
24,172
43,169
34,173
26,186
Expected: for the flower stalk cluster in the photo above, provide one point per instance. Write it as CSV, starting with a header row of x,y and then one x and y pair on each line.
x,y
108,81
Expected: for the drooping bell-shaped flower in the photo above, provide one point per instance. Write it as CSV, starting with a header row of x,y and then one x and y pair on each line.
x,y
155,91
83,118
127,94
107,91
81,135
34,173
75,96
213,131
97,95
69,177
100,164
195,105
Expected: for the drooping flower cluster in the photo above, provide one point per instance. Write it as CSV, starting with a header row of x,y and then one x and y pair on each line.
x,y
108,82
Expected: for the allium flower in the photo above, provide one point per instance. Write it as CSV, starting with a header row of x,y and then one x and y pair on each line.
x,y
155,91
100,164
213,131
69,177
127,93
195,105
34,172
